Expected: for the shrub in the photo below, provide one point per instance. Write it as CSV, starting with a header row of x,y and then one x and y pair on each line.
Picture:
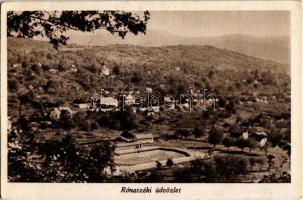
x,y
228,142
198,132
183,176
242,143
231,166
215,136
183,132
169,162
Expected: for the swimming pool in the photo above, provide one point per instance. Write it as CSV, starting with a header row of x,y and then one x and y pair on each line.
x,y
148,156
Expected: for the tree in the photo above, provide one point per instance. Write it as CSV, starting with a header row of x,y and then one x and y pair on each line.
x,y
235,131
275,136
158,164
241,143
251,143
65,120
215,136
136,78
102,156
270,159
24,64
228,142
169,162
183,176
13,85
252,162
260,162
53,24
37,68
61,67
230,166
265,147
116,70
183,132
198,132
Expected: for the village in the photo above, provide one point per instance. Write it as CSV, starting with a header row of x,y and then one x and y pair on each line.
x,y
151,132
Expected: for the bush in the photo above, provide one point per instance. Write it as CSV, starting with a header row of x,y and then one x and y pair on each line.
x,y
36,68
183,132
116,70
228,142
242,143
169,162
275,136
198,132
231,166
235,131
215,136
13,85
183,176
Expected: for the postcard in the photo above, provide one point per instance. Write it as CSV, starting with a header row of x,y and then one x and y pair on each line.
x,y
151,100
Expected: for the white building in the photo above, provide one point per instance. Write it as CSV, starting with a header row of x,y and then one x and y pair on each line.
x,y
109,101
130,100
104,71
81,105
55,114
17,65
73,68
149,90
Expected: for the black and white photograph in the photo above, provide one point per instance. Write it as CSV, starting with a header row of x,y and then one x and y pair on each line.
x,y
146,99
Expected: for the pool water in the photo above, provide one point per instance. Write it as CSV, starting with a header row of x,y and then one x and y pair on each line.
x,y
146,157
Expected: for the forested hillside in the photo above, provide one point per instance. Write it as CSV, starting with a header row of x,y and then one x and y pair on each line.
x,y
46,73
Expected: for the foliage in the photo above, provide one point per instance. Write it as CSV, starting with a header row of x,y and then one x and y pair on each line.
x,y
242,143
228,142
198,131
61,161
231,166
183,132
270,160
235,131
273,178
183,176
54,24
158,164
169,162
275,136
215,136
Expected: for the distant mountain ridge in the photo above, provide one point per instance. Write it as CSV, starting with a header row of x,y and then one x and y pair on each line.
x,y
202,56
276,48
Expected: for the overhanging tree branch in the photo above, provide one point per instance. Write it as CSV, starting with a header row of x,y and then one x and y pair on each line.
x,y
53,25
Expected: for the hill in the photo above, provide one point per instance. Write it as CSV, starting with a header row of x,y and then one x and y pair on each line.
x,y
276,48
47,73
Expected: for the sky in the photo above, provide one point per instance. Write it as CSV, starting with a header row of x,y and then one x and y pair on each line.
x,y
215,23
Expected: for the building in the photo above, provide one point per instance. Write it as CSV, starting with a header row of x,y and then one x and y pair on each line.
x,y
52,71
144,137
73,68
81,105
104,71
149,90
17,65
130,100
108,101
139,138
55,114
